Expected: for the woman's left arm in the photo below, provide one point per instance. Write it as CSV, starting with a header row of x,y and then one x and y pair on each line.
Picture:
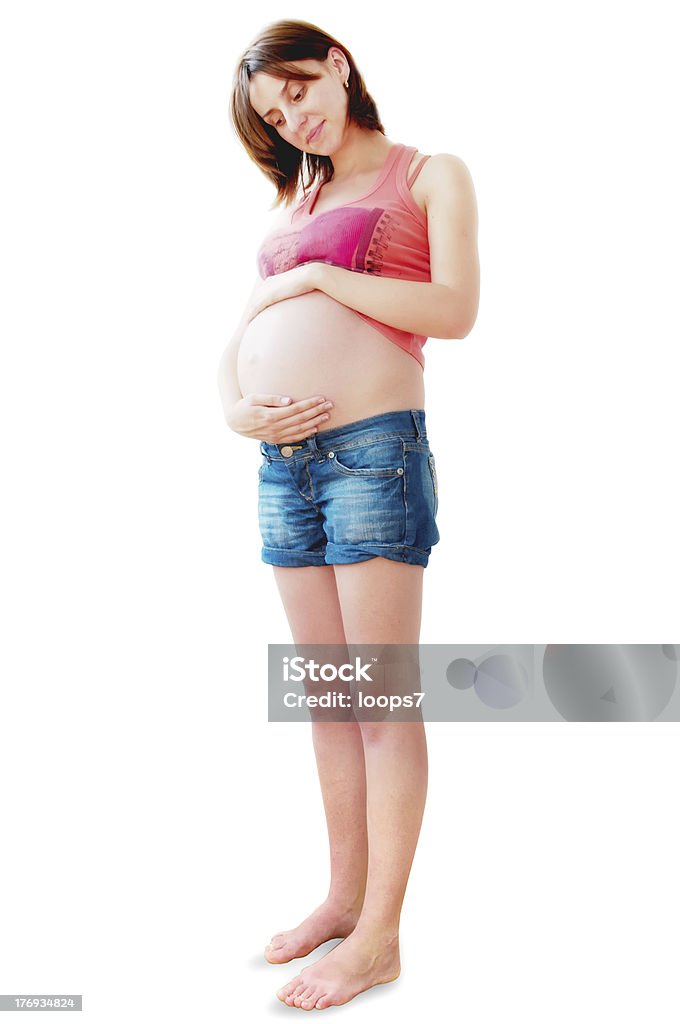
x,y
446,306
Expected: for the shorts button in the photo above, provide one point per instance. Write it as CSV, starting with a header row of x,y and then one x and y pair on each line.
x,y
400,471
331,455
286,451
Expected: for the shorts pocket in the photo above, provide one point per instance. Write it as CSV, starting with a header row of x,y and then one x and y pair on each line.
x,y
365,509
433,473
373,459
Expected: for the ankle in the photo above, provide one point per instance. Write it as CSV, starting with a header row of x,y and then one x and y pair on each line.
x,y
348,905
382,934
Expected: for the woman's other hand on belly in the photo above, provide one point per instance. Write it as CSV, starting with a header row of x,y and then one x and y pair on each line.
x,y
287,285
277,419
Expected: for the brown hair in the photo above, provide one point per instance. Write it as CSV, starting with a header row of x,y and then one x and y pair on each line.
x,y
272,51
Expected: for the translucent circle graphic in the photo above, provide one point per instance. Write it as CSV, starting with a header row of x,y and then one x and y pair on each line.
x,y
461,674
500,681
609,682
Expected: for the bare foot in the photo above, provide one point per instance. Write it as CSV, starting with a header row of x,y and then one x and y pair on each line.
x,y
326,922
355,965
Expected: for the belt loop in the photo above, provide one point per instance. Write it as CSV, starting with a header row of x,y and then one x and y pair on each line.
x,y
311,441
415,416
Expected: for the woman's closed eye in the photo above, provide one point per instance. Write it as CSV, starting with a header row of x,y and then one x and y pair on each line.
x,y
299,96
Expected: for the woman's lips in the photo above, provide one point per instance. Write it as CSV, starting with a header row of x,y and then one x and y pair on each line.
x,y
316,132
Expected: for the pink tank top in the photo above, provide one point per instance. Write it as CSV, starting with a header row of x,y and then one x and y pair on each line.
x,y
383,232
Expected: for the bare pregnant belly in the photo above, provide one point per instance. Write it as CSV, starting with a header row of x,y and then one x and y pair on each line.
x,y
312,345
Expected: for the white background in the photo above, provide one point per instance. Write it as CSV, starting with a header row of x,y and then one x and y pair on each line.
x,y
155,829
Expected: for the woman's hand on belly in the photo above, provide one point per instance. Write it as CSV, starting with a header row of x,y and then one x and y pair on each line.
x,y
287,285
276,419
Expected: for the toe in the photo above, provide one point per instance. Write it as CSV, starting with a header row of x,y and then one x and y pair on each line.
x,y
308,999
285,992
276,954
275,945
302,995
294,991
322,1002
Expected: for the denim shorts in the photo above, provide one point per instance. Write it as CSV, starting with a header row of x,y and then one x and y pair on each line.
x,y
354,492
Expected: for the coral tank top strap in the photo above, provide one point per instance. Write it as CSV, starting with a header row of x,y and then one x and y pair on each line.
x,y
396,186
392,181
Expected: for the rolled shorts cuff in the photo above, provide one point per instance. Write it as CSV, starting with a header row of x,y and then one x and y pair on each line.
x,y
286,557
344,554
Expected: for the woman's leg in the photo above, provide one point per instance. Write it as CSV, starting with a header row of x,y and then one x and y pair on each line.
x,y
310,599
381,602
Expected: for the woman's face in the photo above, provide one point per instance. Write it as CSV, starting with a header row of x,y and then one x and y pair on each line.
x,y
296,109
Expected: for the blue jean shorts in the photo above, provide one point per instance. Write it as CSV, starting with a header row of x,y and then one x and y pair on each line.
x,y
354,492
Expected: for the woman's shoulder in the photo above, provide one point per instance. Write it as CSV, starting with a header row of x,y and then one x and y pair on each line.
x,y
443,176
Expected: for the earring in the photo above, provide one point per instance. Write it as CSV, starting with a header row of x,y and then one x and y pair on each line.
x,y
347,84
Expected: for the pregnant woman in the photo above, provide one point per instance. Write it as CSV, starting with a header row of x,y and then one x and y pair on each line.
x,y
326,371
